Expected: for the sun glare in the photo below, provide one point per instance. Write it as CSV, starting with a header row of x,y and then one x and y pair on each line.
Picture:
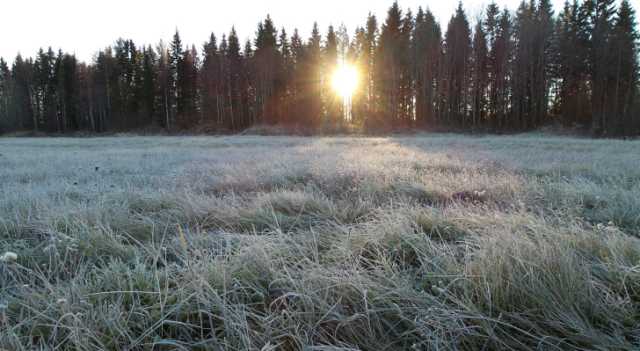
x,y
345,80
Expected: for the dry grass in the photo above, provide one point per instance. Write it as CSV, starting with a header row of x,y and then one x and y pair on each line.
x,y
276,243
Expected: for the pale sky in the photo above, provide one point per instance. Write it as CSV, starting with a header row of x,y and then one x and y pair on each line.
x,y
84,26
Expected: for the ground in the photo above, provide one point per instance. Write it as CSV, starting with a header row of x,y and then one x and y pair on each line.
x,y
281,243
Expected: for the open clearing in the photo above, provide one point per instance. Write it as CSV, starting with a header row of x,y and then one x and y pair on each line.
x,y
281,243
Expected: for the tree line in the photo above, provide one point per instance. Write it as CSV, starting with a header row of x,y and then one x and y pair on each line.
x,y
507,72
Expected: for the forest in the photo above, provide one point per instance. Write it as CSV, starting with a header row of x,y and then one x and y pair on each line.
x,y
510,71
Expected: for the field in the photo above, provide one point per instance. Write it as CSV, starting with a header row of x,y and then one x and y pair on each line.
x,y
443,242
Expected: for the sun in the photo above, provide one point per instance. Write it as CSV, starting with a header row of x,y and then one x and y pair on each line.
x,y
345,80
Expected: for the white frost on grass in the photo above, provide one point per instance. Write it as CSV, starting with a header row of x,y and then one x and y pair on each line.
x,y
433,241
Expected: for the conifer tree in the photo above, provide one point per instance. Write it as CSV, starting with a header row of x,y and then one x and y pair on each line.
x,y
231,79
284,78
625,71
146,89
479,76
187,83
210,80
267,60
602,60
391,55
313,78
67,93
492,28
523,67
369,73
248,86
331,101
573,65
544,37
297,71
501,60
457,54
175,59
164,86
6,121
357,56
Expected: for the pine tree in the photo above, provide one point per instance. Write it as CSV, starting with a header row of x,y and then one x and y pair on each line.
x,y
187,83
164,87
313,78
391,54
456,67
332,102
370,49
406,60
23,93
248,86
284,78
492,29
501,54
344,102
479,76
103,80
232,81
146,88
173,87
6,120
602,61
427,45
67,93
297,71
625,68
210,81
123,99
85,97
45,99
357,56
523,67
573,65
544,37
267,61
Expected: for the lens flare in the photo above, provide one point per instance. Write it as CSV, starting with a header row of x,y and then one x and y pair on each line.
x,y
345,80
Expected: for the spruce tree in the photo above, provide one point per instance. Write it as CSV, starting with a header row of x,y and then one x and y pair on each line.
x,y
6,121
284,78
427,40
457,55
332,102
502,56
267,61
479,76
625,69
391,54
602,60
232,81
492,29
523,67
210,81
313,78
147,86
370,54
298,62
164,87
544,37
174,92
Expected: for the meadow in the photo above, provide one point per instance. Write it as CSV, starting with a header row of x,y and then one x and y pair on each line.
x,y
426,242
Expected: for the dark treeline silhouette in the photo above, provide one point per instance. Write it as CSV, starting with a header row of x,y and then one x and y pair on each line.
x,y
506,72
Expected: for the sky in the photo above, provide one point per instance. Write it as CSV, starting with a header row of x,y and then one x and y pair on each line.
x,y
85,26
